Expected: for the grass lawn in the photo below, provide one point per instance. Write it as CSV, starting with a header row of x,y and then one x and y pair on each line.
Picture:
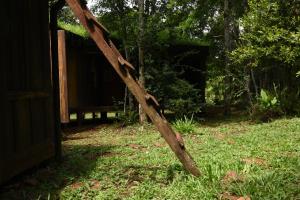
x,y
237,159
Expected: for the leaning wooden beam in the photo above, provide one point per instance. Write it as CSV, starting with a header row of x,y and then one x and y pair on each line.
x,y
124,70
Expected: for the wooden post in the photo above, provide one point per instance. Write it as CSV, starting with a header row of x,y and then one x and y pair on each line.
x,y
55,76
80,117
103,116
123,69
63,83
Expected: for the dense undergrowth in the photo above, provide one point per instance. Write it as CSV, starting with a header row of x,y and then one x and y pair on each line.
x,y
236,157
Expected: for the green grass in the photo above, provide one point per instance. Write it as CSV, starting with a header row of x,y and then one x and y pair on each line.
x,y
73,116
185,125
109,162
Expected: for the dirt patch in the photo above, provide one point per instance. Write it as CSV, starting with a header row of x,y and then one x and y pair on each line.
x,y
231,176
219,136
76,185
133,177
255,161
228,196
230,141
95,184
137,147
157,144
238,131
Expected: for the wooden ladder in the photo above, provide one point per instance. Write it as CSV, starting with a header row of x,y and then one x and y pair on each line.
x,y
125,70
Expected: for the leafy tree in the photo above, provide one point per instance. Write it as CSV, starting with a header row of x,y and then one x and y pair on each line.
x,y
270,46
271,33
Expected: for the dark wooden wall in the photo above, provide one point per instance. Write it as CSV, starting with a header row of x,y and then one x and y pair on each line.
x,y
192,60
92,84
27,127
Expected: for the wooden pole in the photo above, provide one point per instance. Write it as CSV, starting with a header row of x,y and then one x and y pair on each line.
x,y
55,76
123,69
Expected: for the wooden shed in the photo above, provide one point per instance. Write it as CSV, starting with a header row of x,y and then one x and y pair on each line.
x,y
190,57
27,135
87,81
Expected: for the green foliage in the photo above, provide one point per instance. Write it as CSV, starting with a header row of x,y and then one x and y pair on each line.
x,y
269,45
185,125
267,107
214,92
184,99
267,101
175,94
270,32
128,118
289,101
67,16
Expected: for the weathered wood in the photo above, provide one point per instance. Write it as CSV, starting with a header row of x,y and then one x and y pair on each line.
x,y
157,118
22,95
91,82
3,76
26,136
55,75
120,57
63,83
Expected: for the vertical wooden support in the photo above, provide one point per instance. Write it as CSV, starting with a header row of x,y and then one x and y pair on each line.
x,y
103,116
63,84
3,106
80,117
55,76
123,69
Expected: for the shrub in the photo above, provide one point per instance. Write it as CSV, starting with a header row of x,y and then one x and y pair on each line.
x,y
290,101
185,125
172,92
266,108
131,117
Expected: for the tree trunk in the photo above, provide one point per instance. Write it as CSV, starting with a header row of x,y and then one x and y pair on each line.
x,y
127,94
124,33
229,28
142,114
247,75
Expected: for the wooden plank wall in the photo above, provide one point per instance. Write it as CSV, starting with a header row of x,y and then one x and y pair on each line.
x,y
91,80
27,135
3,62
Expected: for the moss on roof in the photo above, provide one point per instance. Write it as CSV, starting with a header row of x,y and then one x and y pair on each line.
x,y
73,28
80,31
167,36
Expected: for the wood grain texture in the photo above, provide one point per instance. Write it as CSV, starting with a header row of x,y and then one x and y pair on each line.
x,y
63,82
25,88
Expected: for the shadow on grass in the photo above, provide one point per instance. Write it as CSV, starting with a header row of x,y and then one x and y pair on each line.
x,y
47,180
77,170
214,122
